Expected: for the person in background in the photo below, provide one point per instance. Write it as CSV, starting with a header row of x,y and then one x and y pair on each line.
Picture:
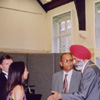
x,y
5,62
89,88
73,77
16,76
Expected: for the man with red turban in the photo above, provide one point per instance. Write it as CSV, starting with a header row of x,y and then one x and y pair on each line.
x,y
89,88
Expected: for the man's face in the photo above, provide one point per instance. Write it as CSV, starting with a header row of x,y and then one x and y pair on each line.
x,y
67,62
78,63
5,64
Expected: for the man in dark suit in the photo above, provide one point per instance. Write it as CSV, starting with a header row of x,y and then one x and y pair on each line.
x,y
90,83
73,76
5,62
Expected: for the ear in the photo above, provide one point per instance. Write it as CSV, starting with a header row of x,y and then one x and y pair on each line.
x,y
60,64
1,66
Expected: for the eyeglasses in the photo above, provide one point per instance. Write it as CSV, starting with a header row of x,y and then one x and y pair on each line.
x,y
67,60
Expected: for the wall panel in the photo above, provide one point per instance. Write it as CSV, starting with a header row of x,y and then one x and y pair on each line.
x,y
41,69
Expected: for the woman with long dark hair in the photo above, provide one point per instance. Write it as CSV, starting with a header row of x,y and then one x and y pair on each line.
x,y
16,76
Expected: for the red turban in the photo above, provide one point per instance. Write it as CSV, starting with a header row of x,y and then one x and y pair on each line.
x,y
80,52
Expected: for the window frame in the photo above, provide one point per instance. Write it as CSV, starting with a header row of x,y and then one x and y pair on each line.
x,y
96,50
55,42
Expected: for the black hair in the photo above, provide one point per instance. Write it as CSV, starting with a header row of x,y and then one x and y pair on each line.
x,y
15,73
5,56
63,55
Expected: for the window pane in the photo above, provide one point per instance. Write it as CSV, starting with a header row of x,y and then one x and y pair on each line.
x,y
64,43
68,26
62,27
98,61
68,41
62,30
97,25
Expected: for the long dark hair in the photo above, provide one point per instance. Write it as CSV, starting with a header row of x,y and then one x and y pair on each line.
x,y
15,73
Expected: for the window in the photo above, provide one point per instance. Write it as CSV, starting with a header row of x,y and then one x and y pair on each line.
x,y
97,33
98,61
62,32
97,25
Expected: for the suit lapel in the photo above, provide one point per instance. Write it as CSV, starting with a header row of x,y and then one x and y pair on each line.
x,y
88,63
73,80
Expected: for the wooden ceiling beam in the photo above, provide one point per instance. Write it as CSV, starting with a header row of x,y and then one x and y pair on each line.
x,y
53,4
56,3
41,4
80,8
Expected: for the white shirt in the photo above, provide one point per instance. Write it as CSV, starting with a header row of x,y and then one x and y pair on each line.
x,y
84,66
69,75
6,74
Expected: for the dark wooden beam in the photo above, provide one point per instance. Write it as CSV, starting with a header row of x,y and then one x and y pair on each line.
x,y
80,7
53,4
41,4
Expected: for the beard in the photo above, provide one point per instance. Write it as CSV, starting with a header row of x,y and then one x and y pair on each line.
x,y
79,65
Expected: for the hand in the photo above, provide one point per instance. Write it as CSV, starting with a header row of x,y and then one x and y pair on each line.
x,y
55,96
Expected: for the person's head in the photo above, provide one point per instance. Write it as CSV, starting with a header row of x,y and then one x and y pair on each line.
x,y
80,55
16,75
5,62
66,62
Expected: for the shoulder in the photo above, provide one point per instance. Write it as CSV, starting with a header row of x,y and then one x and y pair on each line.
x,y
2,78
18,92
76,72
58,73
1,74
92,68
91,71
18,89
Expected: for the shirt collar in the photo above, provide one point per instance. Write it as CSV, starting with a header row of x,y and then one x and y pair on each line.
x,y
70,72
6,74
84,66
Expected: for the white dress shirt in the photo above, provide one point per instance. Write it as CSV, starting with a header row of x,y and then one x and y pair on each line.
x,y
6,74
69,75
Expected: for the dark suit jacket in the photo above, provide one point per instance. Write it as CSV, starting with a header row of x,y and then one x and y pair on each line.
x,y
90,85
2,86
57,82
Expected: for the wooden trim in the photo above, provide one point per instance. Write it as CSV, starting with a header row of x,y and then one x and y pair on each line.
x,y
53,4
80,8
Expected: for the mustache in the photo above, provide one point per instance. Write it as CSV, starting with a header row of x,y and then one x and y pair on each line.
x,y
78,64
75,65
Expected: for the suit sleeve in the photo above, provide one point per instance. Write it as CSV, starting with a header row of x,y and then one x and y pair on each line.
x,y
87,83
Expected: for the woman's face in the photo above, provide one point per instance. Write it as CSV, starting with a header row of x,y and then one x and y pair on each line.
x,y
25,75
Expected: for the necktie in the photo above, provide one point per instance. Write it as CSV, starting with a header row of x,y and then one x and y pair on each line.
x,y
65,84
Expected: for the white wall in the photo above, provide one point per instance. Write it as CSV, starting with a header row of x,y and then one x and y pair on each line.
x,y
22,31
85,38
33,31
